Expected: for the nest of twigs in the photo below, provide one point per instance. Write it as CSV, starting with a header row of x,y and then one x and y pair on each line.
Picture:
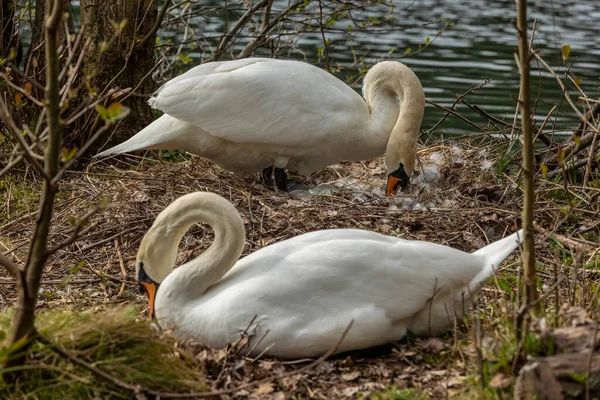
x,y
460,198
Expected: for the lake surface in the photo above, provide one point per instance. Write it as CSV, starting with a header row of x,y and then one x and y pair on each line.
x,y
478,46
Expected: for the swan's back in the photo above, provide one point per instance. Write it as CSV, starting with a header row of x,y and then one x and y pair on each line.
x,y
262,101
307,289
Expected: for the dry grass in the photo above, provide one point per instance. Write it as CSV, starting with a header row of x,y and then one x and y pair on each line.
x,y
470,199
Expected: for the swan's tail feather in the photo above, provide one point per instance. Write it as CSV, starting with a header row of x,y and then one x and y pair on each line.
x,y
494,254
125,147
162,133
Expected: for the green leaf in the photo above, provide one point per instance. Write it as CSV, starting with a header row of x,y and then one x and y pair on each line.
x,y
427,40
66,154
407,51
186,59
114,112
117,111
578,377
77,268
102,111
505,286
566,50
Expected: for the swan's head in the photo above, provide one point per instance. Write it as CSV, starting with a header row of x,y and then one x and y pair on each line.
x,y
400,162
156,259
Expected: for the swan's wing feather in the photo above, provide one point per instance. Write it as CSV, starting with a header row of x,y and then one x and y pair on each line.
x,y
203,70
262,101
345,269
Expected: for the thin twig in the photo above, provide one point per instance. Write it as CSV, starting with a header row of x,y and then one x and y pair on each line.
x,y
156,27
21,90
458,99
12,268
11,165
16,134
565,92
449,111
78,232
225,39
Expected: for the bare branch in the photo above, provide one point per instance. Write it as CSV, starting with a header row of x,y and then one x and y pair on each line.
x,y
77,234
238,25
458,99
81,151
568,166
10,123
21,90
14,68
11,165
12,268
452,112
72,53
37,252
255,43
156,27
528,167
566,93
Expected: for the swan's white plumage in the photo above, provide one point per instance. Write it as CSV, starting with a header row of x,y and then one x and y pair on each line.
x,y
307,289
224,103
250,114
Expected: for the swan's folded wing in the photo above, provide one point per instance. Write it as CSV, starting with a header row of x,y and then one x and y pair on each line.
x,y
262,101
344,269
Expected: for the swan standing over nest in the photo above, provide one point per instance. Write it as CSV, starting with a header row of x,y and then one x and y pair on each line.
x,y
305,290
261,114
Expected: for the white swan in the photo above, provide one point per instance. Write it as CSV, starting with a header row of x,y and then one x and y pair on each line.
x,y
307,289
259,113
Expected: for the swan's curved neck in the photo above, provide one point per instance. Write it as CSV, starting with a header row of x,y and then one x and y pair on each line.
x,y
396,100
197,275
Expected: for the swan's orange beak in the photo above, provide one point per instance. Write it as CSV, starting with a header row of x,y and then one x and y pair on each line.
x,y
151,291
393,184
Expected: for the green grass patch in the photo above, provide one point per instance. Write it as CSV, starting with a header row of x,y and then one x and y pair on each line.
x,y
116,341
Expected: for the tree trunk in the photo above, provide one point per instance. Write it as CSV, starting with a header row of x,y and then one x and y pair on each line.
x,y
116,57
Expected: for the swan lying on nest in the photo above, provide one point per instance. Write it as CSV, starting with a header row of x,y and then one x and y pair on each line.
x,y
305,290
261,114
